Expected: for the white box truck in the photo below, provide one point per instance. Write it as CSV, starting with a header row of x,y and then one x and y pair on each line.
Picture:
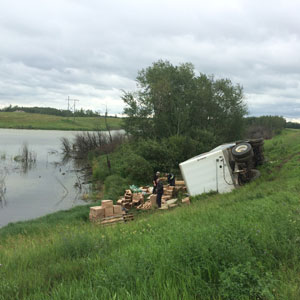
x,y
223,168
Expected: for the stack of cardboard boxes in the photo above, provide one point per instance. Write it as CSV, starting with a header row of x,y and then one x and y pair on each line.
x,y
168,193
130,199
151,202
107,209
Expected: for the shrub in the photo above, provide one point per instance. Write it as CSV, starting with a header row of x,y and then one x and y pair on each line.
x,y
115,186
155,153
264,126
180,148
134,167
100,168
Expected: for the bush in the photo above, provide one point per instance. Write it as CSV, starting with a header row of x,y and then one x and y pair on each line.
x,y
264,126
155,153
115,186
100,168
134,167
180,148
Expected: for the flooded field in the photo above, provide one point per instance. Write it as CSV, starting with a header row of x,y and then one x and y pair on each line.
x,y
35,179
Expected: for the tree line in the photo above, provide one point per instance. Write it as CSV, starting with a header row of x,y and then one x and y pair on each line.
x,y
52,111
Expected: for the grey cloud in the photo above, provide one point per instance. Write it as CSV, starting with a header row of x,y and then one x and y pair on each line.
x,y
93,49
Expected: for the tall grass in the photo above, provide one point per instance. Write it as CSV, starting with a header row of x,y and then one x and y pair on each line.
x,y
242,245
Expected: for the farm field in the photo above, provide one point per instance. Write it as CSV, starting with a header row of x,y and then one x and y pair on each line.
x,y
240,245
22,120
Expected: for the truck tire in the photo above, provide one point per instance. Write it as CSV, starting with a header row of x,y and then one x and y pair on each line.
x,y
242,150
256,143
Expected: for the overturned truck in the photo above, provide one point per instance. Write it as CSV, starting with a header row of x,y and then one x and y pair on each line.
x,y
223,168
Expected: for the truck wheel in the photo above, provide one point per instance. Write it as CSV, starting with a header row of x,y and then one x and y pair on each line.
x,y
242,150
256,142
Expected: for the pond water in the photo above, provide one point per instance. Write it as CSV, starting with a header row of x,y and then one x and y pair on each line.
x,y
42,184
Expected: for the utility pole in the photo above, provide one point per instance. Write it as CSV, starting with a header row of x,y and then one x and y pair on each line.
x,y
69,102
74,107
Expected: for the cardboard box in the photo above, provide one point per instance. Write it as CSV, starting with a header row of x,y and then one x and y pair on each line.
x,y
97,211
153,199
117,210
109,211
186,200
107,203
179,182
136,196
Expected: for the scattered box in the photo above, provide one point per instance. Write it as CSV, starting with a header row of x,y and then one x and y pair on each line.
x,y
179,182
164,206
153,199
186,200
136,196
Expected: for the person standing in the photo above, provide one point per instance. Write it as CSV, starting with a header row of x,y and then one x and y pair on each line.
x,y
159,192
155,178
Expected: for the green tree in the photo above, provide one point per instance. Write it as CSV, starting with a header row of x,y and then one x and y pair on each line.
x,y
173,100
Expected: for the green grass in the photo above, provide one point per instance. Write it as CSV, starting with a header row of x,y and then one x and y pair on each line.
x,y
20,120
242,245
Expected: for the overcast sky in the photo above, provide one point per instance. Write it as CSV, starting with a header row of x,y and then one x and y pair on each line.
x,y
90,50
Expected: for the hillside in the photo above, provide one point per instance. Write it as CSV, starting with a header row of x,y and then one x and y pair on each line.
x,y
242,245
21,120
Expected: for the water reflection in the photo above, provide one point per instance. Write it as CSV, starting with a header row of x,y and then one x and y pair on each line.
x,y
35,179
27,159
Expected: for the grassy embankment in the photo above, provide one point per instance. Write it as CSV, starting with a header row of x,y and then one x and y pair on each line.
x,y
20,120
242,245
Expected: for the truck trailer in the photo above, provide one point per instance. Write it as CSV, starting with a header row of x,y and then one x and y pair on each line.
x,y
224,168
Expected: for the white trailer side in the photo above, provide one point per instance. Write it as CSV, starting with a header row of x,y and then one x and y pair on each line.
x,y
208,172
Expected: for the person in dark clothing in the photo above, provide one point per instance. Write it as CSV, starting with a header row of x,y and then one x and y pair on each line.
x,y
156,176
159,192
171,179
